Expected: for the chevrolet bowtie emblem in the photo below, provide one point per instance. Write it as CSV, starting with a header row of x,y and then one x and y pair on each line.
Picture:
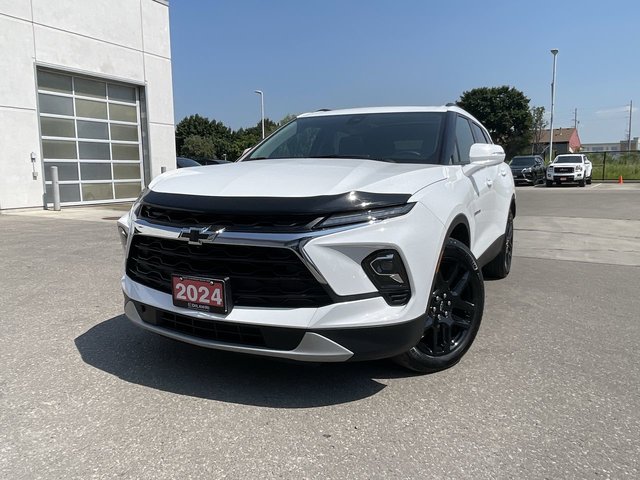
x,y
198,236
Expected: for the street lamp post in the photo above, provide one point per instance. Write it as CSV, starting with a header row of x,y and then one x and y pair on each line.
x,y
260,92
554,51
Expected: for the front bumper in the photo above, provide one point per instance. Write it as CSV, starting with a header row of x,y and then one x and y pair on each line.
x,y
320,345
572,177
361,325
523,177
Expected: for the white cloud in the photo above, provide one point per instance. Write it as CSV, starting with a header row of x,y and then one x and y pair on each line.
x,y
607,112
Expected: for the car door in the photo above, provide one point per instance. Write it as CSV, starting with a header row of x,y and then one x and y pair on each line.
x,y
483,179
539,170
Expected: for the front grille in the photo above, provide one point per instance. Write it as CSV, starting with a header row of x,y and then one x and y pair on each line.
x,y
276,338
259,276
236,222
211,330
563,170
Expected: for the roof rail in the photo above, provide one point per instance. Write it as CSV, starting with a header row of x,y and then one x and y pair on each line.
x,y
323,110
451,104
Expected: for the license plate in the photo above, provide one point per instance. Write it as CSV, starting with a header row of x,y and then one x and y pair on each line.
x,y
202,294
562,179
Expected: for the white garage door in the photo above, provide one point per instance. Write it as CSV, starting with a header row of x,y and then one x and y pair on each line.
x,y
90,130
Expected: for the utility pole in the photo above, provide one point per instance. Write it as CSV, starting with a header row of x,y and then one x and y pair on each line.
x,y
261,93
575,118
629,133
554,52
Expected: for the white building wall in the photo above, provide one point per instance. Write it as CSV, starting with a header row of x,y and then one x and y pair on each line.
x,y
125,40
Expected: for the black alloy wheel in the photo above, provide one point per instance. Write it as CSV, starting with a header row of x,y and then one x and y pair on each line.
x,y
508,244
454,313
500,266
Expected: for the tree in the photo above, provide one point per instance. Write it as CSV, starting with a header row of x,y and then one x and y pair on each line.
x,y
222,137
198,147
217,134
504,111
191,125
538,126
249,137
286,119
198,137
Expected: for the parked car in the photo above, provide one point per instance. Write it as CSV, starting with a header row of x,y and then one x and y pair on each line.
x,y
184,162
212,161
346,235
527,169
570,168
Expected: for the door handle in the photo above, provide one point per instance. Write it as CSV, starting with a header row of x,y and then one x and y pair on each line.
x,y
489,182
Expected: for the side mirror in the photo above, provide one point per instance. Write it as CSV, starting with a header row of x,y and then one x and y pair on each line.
x,y
486,154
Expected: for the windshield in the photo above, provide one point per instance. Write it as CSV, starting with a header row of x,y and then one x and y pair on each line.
x,y
568,159
412,137
523,162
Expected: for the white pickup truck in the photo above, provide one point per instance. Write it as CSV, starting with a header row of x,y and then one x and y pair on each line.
x,y
569,168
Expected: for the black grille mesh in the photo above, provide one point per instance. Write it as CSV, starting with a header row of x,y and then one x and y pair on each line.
x,y
277,338
259,276
212,330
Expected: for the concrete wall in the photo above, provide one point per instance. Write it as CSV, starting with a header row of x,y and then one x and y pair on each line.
x,y
126,40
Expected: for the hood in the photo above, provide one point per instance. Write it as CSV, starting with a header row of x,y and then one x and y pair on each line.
x,y
518,168
298,177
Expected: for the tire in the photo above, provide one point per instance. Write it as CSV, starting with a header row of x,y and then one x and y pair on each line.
x,y
589,181
581,183
500,266
549,183
453,315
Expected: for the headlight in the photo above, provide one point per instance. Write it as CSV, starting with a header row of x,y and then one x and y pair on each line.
x,y
365,216
550,169
578,168
526,170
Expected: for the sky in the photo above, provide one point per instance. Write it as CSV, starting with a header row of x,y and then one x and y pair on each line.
x,y
311,54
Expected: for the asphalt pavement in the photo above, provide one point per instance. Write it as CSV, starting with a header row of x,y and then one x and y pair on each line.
x,y
550,388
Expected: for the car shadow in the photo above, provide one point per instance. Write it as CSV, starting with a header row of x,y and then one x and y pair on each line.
x,y
117,347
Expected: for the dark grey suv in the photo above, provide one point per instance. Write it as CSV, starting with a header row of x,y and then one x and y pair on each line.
x,y
527,169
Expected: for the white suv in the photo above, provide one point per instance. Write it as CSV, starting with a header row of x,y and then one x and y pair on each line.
x,y
569,168
346,235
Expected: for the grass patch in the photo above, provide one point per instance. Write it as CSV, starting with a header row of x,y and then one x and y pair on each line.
x,y
610,166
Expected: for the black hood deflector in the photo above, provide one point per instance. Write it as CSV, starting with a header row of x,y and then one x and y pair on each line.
x,y
322,205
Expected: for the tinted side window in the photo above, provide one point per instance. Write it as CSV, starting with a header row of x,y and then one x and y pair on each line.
x,y
479,134
464,138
